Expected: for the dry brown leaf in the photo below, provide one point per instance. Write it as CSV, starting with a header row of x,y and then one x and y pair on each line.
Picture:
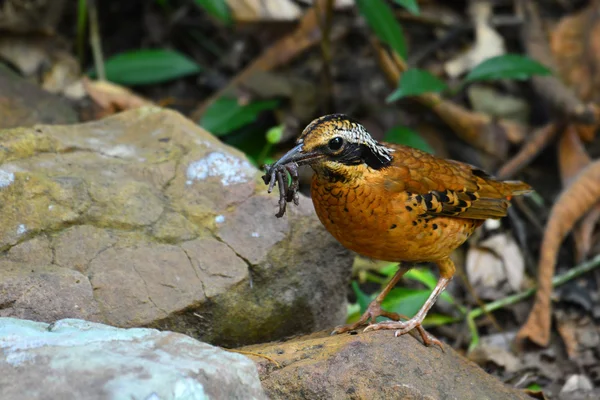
x,y
573,203
264,10
112,98
484,354
575,45
572,160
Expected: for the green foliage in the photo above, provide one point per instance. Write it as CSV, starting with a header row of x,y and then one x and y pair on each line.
x,y
411,5
216,8
362,299
226,115
414,82
274,134
143,67
406,301
508,66
380,18
407,137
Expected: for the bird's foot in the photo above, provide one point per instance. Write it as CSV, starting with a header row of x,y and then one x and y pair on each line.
x,y
373,311
405,327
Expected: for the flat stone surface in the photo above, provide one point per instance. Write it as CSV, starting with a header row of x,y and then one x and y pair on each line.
x,y
145,219
76,359
373,365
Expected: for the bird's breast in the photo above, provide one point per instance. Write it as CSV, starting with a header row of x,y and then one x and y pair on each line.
x,y
375,223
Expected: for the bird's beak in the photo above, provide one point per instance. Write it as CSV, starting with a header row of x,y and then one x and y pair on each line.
x,y
298,156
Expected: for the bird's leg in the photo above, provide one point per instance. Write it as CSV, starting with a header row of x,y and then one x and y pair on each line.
x,y
447,270
374,310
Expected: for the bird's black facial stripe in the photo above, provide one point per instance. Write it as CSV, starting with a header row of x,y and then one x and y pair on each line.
x,y
356,154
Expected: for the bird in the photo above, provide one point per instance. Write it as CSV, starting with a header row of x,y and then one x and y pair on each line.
x,y
391,202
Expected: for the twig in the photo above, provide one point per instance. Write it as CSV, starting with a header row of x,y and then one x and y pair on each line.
x,y
538,141
95,41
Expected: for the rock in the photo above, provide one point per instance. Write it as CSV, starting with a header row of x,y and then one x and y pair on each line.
x,y
373,365
76,359
23,103
145,219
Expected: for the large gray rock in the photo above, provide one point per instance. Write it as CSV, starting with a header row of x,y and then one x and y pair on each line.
x,y
145,219
75,359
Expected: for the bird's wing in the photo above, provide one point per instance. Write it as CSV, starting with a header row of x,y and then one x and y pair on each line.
x,y
439,187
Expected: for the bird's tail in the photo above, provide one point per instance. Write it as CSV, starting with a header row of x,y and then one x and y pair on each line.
x,y
516,188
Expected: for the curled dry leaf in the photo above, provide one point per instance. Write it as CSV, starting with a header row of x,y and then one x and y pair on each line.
x,y
112,98
572,160
573,203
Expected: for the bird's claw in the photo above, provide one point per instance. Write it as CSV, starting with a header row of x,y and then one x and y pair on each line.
x,y
404,327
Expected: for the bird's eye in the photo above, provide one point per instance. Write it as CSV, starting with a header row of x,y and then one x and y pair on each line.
x,y
335,143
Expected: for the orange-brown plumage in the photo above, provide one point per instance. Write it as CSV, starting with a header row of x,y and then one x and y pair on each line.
x,y
395,203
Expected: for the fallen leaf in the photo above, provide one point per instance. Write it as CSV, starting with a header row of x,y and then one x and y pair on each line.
x,y
573,158
574,202
112,98
567,331
264,10
488,42
493,262
576,383
484,354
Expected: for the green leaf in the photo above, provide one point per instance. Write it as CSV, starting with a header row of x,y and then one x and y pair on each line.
x,y
407,137
225,115
274,134
216,8
405,301
422,275
411,5
362,298
380,18
142,67
534,387
414,82
508,66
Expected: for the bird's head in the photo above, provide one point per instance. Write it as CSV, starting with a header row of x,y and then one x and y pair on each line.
x,y
335,144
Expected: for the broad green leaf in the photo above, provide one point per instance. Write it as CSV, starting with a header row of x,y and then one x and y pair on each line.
x,y
508,66
362,298
380,18
411,5
142,67
216,8
405,301
225,115
422,275
414,82
407,137
389,269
